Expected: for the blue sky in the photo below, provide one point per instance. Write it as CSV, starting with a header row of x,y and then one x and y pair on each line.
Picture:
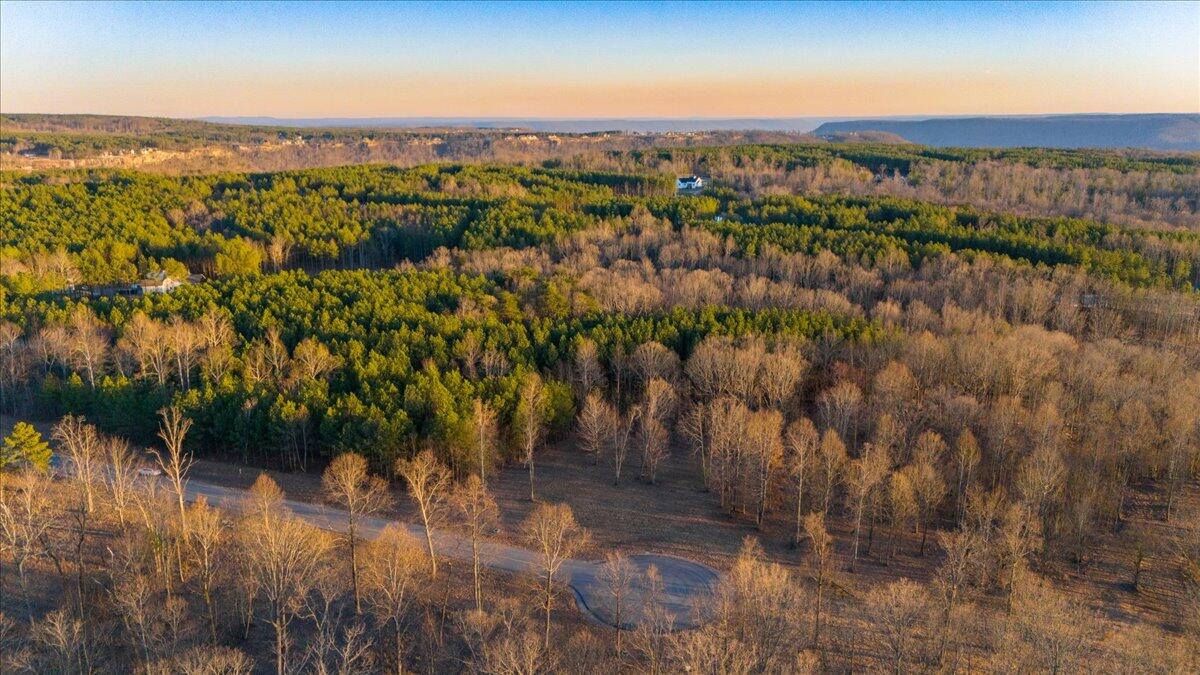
x,y
598,59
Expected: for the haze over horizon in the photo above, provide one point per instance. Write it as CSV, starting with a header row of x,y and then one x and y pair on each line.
x,y
597,60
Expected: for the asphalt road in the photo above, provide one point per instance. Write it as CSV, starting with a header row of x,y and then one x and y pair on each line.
x,y
685,592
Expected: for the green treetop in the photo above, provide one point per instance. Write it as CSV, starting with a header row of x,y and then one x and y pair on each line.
x,y
25,444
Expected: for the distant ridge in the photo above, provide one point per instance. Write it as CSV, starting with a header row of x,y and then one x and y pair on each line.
x,y
1154,131
642,125
1178,132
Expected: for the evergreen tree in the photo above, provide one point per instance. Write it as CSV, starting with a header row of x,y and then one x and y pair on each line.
x,y
25,445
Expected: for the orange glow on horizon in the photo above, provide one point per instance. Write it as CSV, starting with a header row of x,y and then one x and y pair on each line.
x,y
416,96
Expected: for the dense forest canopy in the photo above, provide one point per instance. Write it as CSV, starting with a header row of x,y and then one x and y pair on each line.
x,y
391,344
104,227
817,334
1138,188
112,226
405,350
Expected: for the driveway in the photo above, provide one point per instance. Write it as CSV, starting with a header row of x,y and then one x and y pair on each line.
x,y
685,591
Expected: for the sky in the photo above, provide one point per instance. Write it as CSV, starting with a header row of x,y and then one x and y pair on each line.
x,y
597,60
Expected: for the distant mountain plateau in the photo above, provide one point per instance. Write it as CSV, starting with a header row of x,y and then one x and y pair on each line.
x,y
1177,132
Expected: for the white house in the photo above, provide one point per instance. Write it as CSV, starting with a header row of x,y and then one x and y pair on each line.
x,y
689,183
159,282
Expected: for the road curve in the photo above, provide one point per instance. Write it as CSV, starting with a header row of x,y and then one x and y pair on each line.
x,y
685,592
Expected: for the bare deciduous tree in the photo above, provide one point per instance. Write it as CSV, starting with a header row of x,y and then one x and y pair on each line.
x,y
120,477
655,442
83,343
1047,632
1017,537
693,426
1040,483
143,338
758,605
1182,436
617,574
530,422
901,504
479,513
283,556
896,611
393,576
658,399
348,483
210,660
729,419
428,485
589,373
311,360
218,337
801,440
65,639
966,460
766,452
779,376
651,361
185,342
25,519
597,423
555,536
929,489
176,463
863,477
83,448
483,425
620,440
831,459
136,603
960,564
820,560
504,641
838,406
207,546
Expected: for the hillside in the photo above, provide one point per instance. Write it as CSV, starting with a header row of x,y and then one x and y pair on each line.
x,y
1156,132
642,125
35,142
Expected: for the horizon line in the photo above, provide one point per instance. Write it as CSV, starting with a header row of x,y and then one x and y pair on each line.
x,y
635,118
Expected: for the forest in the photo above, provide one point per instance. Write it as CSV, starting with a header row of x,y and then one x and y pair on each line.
x,y
81,136
189,147
1126,187
920,421
103,227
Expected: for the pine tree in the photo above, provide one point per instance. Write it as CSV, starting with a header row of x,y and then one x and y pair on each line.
x,y
25,445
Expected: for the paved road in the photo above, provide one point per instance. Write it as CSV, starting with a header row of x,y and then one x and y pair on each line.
x,y
687,587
